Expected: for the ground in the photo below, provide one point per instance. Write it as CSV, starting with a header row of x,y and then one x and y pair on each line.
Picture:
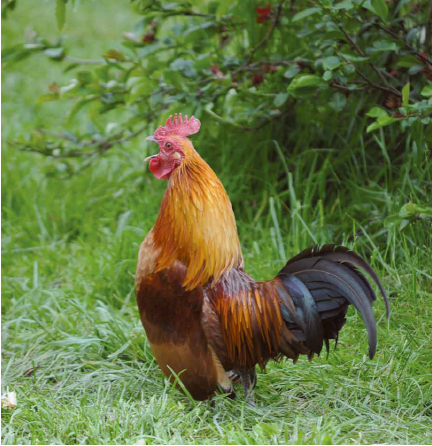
x,y
73,348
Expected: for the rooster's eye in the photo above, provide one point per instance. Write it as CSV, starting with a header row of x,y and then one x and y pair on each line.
x,y
168,145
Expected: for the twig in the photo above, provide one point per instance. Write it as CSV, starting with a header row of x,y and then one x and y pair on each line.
x,y
226,20
58,135
361,52
264,123
195,14
424,218
390,90
412,50
274,62
256,65
350,39
150,5
269,32
251,67
101,146
28,148
343,88
131,136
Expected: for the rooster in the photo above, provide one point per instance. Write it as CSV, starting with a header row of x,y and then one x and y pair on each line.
x,y
207,321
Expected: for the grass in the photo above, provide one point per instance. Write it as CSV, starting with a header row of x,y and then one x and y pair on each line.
x,y
73,348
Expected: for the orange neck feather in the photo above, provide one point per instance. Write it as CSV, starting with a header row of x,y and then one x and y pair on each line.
x,y
196,223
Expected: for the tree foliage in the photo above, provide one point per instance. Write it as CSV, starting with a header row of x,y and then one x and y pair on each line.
x,y
251,67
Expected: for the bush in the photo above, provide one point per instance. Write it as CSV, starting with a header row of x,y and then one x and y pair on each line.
x,y
349,80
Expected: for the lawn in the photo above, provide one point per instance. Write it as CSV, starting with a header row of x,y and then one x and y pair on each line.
x,y
73,348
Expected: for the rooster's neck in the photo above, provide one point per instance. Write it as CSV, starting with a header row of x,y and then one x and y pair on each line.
x,y
196,224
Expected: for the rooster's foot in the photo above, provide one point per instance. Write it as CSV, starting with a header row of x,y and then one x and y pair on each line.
x,y
248,379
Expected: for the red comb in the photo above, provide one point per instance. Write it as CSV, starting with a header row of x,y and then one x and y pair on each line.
x,y
178,126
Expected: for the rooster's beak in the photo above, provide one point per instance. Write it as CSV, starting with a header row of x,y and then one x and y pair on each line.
x,y
153,139
150,157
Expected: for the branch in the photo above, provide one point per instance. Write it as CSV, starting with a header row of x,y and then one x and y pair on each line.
x,y
256,65
361,52
269,32
131,136
264,123
226,20
101,146
390,90
424,218
53,154
195,14
58,135
343,88
409,47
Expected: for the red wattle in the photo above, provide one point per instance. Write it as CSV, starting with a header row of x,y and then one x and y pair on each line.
x,y
160,168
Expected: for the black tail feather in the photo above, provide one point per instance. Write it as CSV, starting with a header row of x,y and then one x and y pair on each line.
x,y
343,254
305,317
333,281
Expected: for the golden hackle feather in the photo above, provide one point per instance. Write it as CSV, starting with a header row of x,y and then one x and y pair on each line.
x,y
196,223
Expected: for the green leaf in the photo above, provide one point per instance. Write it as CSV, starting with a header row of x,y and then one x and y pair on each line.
x,y
84,77
48,97
380,8
407,61
427,91
114,54
61,13
305,13
132,81
80,104
412,210
55,53
170,6
408,210
338,101
376,112
186,66
382,121
280,99
306,80
392,219
141,88
404,224
354,58
327,75
416,69
384,45
305,84
292,71
406,94
345,4
331,63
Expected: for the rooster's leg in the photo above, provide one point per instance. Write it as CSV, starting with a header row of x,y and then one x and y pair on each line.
x,y
229,390
248,379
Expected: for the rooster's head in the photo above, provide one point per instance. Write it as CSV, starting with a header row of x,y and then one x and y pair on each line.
x,y
173,145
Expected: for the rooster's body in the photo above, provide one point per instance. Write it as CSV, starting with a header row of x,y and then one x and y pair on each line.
x,y
206,319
